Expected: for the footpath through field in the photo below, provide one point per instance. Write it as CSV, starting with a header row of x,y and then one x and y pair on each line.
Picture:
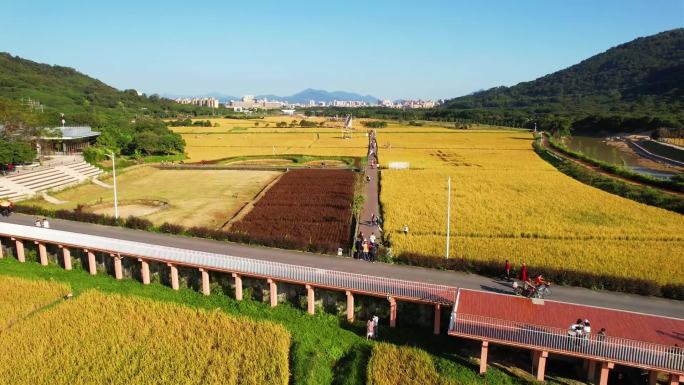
x,y
629,302
371,205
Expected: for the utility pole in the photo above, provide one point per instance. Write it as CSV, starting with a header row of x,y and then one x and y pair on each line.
x,y
448,215
116,201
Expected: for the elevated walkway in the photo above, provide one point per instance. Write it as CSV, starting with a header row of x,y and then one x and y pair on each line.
x,y
632,339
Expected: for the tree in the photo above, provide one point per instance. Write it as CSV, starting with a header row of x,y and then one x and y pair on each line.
x,y
12,152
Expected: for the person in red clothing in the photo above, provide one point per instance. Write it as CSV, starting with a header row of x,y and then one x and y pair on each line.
x,y
523,272
508,270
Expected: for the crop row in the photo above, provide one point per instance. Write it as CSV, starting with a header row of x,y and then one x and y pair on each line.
x,y
98,338
305,209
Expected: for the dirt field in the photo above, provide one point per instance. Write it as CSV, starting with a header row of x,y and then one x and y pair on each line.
x,y
193,198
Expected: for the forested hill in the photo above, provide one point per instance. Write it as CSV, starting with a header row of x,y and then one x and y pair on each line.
x,y
82,98
641,80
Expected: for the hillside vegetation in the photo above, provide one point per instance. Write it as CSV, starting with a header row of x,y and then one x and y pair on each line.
x,y
80,97
34,96
634,86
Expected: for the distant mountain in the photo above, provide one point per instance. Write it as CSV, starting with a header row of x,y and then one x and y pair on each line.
x,y
641,78
321,96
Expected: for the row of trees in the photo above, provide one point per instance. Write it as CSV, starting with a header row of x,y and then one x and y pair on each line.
x,y
123,135
187,122
142,137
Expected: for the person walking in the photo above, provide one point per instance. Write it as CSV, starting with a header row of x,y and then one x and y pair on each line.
x,y
372,238
376,326
374,219
507,268
38,224
406,229
46,224
601,335
369,329
365,250
523,272
358,246
373,250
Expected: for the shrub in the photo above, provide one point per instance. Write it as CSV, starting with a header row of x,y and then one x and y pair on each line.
x,y
138,223
171,228
375,124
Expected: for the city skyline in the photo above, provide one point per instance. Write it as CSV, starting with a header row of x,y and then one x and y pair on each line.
x,y
389,50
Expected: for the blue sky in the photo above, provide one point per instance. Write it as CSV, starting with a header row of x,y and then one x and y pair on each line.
x,y
393,49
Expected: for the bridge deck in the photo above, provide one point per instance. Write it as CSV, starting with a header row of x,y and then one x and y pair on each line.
x,y
635,326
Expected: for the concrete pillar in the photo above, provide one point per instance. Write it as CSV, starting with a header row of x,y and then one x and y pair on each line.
x,y
238,286
144,271
393,312
66,257
605,368
2,252
273,292
591,371
350,306
653,377
118,270
174,276
92,265
541,364
205,282
42,253
20,250
310,298
438,319
483,357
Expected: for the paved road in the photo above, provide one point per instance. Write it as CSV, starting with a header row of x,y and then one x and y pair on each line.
x,y
649,305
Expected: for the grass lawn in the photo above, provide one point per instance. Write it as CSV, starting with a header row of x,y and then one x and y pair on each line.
x,y
185,197
324,349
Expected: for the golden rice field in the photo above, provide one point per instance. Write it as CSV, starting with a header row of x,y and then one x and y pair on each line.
x,y
398,365
108,339
218,146
240,137
21,297
509,203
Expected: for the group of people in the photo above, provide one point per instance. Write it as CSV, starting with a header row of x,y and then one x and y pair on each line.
x,y
366,249
372,328
372,149
532,286
42,223
582,329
